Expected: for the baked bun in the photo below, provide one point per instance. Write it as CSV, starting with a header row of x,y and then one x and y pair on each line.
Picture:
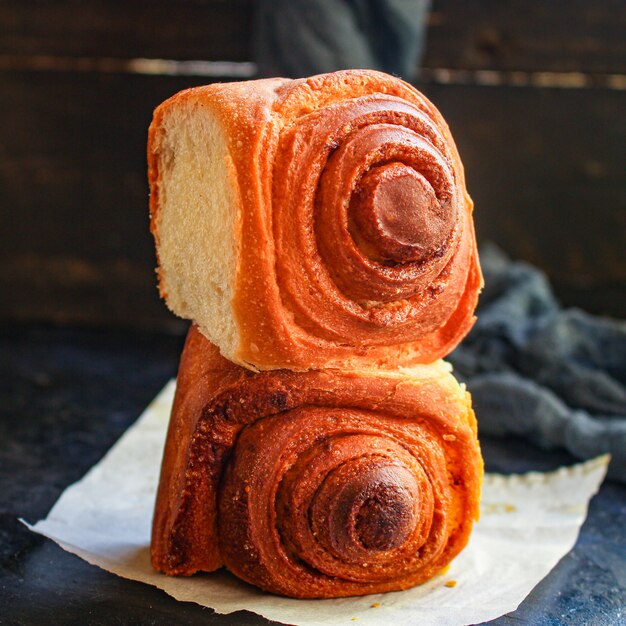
x,y
315,484
313,223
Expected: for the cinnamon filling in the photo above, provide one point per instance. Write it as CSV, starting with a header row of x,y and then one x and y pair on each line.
x,y
386,519
397,216
366,504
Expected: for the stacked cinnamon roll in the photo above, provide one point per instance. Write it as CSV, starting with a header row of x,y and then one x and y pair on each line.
x,y
319,235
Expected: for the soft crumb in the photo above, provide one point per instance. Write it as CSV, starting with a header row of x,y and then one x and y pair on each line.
x,y
451,583
354,619
375,605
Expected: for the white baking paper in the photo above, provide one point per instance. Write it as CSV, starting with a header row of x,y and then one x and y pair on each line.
x,y
528,523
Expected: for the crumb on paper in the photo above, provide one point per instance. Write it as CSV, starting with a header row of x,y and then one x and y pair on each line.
x,y
375,605
450,583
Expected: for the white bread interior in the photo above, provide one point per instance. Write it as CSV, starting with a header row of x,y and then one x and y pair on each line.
x,y
197,220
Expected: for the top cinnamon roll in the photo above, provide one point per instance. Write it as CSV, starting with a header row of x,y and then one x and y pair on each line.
x,y
313,223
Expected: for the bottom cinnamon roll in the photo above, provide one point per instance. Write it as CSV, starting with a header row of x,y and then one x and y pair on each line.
x,y
317,484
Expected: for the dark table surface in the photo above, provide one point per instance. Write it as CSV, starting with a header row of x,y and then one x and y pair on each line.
x,y
67,395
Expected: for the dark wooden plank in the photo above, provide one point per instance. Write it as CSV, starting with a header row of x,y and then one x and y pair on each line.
x,y
530,35
179,29
545,168
74,241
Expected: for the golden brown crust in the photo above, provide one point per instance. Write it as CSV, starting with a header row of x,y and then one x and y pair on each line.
x,y
202,374
315,484
324,279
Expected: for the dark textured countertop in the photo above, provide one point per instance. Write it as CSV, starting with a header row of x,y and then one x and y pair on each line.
x,y
67,395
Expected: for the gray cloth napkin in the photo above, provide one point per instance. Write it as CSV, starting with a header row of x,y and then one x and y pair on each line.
x,y
555,376
297,38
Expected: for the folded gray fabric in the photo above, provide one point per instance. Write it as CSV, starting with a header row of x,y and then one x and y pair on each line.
x,y
555,376
296,38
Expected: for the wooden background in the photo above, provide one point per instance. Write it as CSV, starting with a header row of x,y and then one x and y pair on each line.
x,y
534,90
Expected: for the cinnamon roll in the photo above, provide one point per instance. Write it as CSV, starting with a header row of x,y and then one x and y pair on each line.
x,y
316,484
321,222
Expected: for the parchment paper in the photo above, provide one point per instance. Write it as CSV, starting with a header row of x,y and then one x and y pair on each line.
x,y
528,523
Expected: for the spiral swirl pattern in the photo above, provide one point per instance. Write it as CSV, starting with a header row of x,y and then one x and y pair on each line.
x,y
360,510
374,243
316,484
